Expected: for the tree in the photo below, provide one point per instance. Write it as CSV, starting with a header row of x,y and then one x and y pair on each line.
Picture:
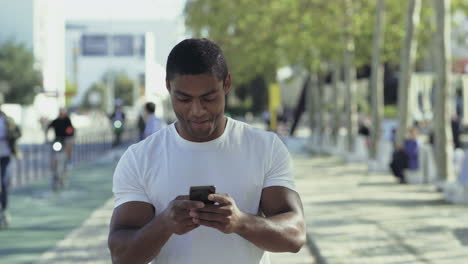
x,y
350,77
123,89
377,79
20,81
408,56
443,136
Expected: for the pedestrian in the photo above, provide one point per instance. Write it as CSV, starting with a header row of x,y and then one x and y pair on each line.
x,y
255,207
9,135
455,124
152,123
118,122
406,157
141,124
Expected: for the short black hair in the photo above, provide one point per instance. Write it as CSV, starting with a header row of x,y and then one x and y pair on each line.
x,y
150,107
196,56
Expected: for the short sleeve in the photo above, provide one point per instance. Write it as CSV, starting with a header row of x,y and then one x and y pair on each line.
x,y
127,181
280,171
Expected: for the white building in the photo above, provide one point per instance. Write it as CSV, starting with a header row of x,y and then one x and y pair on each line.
x,y
40,26
138,48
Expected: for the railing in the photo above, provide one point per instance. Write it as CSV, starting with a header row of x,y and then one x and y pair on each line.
x,y
36,158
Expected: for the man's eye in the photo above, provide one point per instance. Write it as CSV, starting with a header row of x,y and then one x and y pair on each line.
x,y
183,100
210,99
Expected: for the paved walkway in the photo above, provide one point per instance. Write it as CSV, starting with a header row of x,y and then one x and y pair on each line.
x,y
88,244
354,217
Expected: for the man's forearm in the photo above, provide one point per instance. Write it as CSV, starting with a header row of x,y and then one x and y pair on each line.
x,y
280,233
138,245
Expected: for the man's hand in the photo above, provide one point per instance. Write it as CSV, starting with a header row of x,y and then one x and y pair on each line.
x,y
177,215
224,216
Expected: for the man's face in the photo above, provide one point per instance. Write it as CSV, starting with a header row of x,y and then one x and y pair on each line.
x,y
198,102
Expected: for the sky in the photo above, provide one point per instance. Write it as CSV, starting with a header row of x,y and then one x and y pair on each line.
x,y
123,9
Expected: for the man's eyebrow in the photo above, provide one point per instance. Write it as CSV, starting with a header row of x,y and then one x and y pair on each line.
x,y
182,93
210,92
188,95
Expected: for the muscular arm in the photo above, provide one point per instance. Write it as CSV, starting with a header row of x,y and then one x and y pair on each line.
x,y
283,228
136,234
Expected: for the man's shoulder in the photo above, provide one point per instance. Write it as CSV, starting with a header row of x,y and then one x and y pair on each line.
x,y
153,141
252,133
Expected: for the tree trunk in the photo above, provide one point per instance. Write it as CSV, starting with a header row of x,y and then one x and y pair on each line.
x,y
311,103
377,80
350,78
408,56
319,107
443,136
314,104
337,103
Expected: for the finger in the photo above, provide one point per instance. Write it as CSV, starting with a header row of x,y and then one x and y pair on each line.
x,y
216,209
186,223
187,204
209,217
182,197
223,199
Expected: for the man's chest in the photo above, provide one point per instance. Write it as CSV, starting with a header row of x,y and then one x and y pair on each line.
x,y
240,176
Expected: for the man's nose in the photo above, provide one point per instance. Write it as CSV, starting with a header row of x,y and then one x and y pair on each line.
x,y
197,108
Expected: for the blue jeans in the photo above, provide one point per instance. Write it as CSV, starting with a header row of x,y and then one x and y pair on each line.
x,y
4,161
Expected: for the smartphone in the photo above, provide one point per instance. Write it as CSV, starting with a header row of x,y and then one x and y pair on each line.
x,y
200,193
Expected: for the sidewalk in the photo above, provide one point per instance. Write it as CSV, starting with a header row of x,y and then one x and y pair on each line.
x,y
88,244
356,218
352,217
40,218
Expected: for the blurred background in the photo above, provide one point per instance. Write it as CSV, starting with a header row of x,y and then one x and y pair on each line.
x,y
348,78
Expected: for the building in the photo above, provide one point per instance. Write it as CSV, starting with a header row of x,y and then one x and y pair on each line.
x,y
138,48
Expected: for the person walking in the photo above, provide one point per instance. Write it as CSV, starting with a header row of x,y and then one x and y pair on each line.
x,y
254,209
152,123
9,135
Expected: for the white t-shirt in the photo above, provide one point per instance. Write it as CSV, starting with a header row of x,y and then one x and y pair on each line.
x,y
241,162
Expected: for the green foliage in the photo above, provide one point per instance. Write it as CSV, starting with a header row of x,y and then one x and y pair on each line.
x,y
269,33
258,38
97,89
390,111
123,89
20,81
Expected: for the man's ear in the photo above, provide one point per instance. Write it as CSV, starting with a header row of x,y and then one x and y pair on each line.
x,y
227,83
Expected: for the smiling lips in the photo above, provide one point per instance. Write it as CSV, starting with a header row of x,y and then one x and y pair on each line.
x,y
198,124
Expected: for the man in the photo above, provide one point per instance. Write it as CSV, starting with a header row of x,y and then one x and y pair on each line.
x,y
9,134
256,208
63,128
152,123
118,121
